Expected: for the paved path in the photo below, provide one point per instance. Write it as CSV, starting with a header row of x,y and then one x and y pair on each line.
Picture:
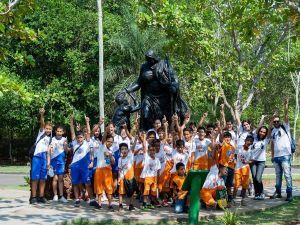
x,y
14,209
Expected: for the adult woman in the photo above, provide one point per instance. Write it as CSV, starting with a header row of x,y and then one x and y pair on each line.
x,y
258,159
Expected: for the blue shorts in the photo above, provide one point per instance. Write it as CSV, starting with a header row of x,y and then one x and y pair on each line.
x,y
58,167
38,168
80,174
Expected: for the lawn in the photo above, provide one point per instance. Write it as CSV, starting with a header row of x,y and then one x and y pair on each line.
x,y
14,169
15,187
285,214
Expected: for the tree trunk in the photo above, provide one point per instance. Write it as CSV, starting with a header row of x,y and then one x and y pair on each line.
x,y
101,70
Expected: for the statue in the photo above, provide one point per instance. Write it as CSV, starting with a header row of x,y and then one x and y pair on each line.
x,y
122,112
160,94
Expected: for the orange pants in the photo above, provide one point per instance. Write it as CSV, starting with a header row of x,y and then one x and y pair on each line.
x,y
242,178
208,196
150,186
103,181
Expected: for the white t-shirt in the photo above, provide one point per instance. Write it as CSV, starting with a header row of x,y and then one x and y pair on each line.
x,y
42,146
116,143
242,155
201,147
96,144
213,180
282,144
151,167
179,157
161,155
57,146
125,164
82,153
242,135
258,149
101,162
126,141
168,151
189,147
139,153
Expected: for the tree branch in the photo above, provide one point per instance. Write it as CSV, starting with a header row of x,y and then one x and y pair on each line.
x,y
11,5
237,46
292,5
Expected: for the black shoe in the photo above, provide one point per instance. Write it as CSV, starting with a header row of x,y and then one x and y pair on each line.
x,y
289,197
42,200
77,203
276,195
121,208
111,208
131,207
33,201
94,203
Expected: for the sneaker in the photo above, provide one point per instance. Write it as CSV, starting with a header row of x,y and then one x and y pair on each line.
x,y
93,203
33,201
121,209
131,207
55,198
111,208
63,200
289,197
77,203
42,200
165,203
276,195
261,197
256,197
156,203
150,206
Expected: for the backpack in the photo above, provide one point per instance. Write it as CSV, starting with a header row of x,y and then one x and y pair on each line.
x,y
292,141
32,148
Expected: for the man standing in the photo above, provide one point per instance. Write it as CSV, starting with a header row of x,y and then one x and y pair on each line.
x,y
281,153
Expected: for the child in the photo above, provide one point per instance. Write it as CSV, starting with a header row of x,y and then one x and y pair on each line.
x,y
226,159
59,145
83,157
39,160
179,196
213,182
103,176
96,142
201,153
125,171
242,169
190,147
179,156
150,173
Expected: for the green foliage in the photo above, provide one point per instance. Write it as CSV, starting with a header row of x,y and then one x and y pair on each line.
x,y
230,218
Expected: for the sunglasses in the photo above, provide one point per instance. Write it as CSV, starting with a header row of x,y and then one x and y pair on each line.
x,y
276,121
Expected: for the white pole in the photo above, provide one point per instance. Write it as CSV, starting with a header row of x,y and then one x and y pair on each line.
x,y
101,70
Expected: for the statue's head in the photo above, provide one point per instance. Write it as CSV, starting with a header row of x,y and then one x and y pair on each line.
x,y
151,57
120,98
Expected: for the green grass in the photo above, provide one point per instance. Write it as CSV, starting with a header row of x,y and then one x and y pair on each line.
x,y
15,187
14,169
284,214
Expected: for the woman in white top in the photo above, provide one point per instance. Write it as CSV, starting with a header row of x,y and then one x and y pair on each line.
x,y
258,159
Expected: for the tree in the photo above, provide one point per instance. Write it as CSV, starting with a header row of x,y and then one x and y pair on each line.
x,y
296,84
228,46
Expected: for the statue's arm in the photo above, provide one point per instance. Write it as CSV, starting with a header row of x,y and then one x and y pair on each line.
x,y
132,109
135,85
174,87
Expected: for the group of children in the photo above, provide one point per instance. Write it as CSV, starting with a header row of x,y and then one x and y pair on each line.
x,y
153,163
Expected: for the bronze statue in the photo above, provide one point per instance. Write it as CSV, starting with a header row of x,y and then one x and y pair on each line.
x,y
122,112
160,94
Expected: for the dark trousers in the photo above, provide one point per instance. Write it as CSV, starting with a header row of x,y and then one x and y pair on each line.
x,y
257,169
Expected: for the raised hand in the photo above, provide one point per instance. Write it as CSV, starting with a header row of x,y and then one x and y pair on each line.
x,y
42,111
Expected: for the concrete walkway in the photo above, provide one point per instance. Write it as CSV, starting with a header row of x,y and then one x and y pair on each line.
x,y
14,209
